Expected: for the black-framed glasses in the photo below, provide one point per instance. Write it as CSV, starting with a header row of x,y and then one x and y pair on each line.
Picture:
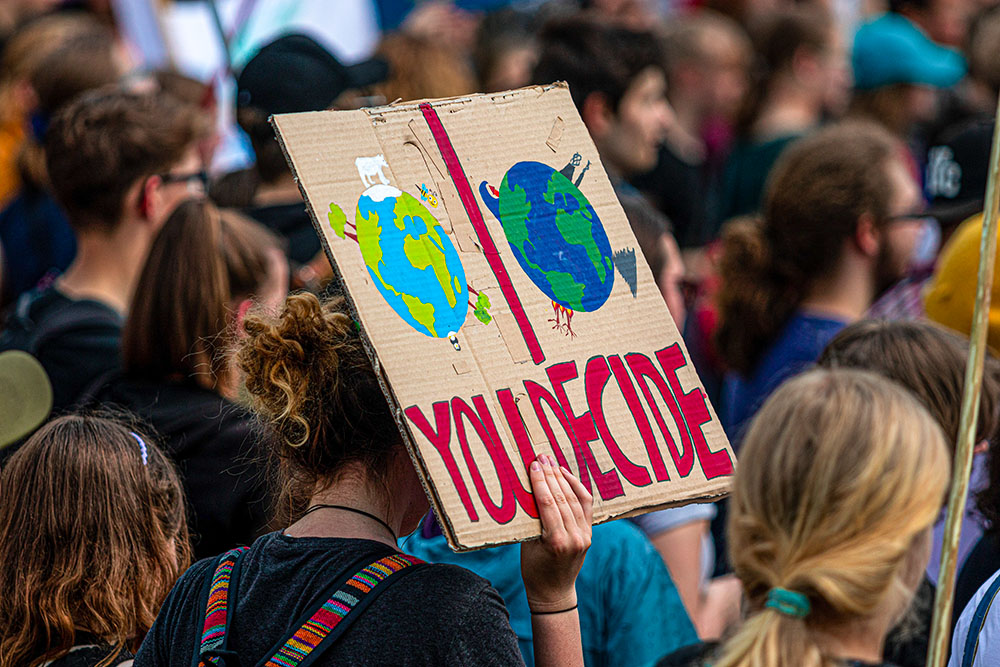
x,y
198,177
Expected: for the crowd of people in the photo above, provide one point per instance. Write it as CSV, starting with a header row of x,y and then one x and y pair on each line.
x,y
198,464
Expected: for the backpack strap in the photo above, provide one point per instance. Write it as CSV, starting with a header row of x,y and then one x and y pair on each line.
x,y
325,625
218,597
977,623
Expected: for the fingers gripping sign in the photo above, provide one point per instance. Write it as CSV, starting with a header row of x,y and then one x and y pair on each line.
x,y
550,565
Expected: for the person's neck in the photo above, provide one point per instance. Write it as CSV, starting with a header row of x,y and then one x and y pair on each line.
x,y
847,294
789,109
862,640
283,191
355,491
107,266
689,114
979,95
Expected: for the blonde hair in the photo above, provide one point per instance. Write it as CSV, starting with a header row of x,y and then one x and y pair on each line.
x,y
841,472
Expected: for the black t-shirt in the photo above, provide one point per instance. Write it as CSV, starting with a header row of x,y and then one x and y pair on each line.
x,y
677,189
292,223
90,656
213,441
76,340
437,615
907,643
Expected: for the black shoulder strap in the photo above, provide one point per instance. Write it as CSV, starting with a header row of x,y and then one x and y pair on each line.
x,y
977,622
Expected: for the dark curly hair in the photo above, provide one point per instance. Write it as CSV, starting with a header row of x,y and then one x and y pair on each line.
x,y
314,389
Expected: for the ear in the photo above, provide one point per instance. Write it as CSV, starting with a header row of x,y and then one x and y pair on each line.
x,y
241,312
25,96
804,64
136,201
149,197
597,114
867,237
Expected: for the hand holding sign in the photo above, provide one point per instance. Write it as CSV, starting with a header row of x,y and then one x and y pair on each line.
x,y
495,319
549,565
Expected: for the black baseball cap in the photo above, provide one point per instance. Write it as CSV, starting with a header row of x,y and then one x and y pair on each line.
x,y
295,73
957,171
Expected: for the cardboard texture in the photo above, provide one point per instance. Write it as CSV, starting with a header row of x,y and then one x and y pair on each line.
x,y
504,300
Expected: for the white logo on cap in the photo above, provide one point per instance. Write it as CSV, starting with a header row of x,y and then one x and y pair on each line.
x,y
944,175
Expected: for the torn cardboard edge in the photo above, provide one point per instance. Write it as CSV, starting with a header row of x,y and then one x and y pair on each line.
x,y
710,491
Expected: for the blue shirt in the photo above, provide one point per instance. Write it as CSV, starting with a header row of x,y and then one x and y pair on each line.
x,y
630,612
36,238
797,347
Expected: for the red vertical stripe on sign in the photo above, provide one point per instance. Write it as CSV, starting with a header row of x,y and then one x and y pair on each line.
x,y
485,240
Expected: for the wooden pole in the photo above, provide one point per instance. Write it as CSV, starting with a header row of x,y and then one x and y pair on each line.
x,y
940,629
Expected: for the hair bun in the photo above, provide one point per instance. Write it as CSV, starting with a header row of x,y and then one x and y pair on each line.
x,y
313,386
284,358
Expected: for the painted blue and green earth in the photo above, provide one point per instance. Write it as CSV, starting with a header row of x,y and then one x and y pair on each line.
x,y
412,261
555,235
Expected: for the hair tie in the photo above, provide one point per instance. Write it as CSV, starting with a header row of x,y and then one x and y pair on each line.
x,y
142,447
788,602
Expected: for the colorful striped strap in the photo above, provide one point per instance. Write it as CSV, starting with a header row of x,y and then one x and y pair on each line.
x,y
327,623
216,626
316,632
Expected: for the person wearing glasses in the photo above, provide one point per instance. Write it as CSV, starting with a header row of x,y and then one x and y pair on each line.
x,y
840,224
119,162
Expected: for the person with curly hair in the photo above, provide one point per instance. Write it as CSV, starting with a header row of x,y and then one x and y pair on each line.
x,y
348,490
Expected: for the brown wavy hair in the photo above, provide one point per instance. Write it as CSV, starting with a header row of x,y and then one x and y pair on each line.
x,y
314,388
930,361
819,188
420,68
91,539
843,472
927,359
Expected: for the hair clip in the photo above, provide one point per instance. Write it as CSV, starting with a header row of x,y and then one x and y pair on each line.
x,y
142,447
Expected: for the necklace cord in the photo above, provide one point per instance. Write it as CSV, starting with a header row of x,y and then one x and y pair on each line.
x,y
345,508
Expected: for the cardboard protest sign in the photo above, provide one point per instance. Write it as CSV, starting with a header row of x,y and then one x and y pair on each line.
x,y
507,306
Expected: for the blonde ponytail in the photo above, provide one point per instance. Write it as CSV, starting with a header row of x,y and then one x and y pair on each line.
x,y
841,472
